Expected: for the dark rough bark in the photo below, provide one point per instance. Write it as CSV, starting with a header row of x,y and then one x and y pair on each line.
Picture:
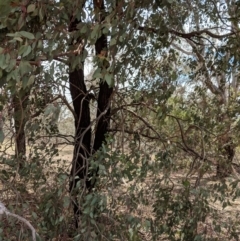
x,y
80,97
82,123
226,149
20,106
224,165
105,91
79,170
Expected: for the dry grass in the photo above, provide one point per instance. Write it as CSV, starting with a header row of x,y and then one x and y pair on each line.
x,y
142,211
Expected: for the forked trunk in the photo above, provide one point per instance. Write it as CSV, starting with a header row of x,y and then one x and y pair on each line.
x,y
82,148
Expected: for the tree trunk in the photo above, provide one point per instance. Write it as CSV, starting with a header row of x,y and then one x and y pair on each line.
x,y
81,153
20,106
80,97
224,165
226,149
103,120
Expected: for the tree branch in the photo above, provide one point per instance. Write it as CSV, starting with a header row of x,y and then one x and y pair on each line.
x,y
57,57
190,34
4,210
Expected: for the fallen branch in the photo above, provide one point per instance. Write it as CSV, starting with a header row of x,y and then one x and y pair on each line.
x,y
4,210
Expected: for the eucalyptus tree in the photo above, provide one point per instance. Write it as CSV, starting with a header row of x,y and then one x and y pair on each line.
x,y
213,60
136,67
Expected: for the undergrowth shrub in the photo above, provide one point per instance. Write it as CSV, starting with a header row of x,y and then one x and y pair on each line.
x,y
140,194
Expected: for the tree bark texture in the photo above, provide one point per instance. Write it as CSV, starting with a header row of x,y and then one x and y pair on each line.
x,y
224,164
79,94
105,91
20,105
226,149
81,153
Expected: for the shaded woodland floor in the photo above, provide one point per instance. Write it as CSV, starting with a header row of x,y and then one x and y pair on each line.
x,y
24,199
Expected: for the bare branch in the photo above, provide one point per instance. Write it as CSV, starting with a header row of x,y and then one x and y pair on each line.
x,y
4,210
190,34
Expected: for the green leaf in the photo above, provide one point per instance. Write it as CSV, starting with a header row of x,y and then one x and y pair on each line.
x,y
61,218
34,215
22,49
83,29
5,8
2,61
48,110
24,82
5,173
77,237
28,51
8,57
113,42
97,74
39,44
31,8
11,65
2,136
27,35
31,80
94,33
109,79
24,67
18,39
66,202
40,14
13,34
87,210
52,69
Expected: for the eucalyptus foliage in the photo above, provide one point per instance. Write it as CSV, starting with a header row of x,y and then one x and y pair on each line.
x,y
156,124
